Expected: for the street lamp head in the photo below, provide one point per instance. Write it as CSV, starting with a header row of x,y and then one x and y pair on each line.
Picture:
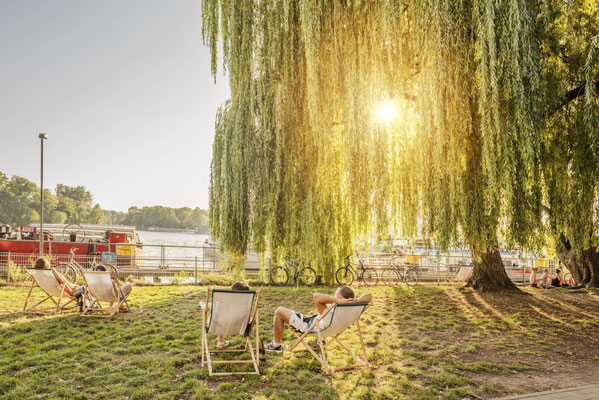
x,y
43,136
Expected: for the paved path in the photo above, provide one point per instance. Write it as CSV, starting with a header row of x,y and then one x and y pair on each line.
x,y
590,392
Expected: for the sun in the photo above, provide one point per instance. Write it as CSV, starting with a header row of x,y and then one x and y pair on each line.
x,y
386,112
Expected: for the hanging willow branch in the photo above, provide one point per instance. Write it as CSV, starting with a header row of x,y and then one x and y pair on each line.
x,y
303,166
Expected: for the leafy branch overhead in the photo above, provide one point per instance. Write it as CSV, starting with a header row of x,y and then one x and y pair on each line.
x,y
302,165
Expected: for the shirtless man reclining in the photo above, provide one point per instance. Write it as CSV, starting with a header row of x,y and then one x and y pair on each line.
x,y
343,295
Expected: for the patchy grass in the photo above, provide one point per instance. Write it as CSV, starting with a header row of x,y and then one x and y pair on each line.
x,y
423,343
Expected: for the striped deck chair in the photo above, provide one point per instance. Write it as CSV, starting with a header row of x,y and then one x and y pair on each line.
x,y
99,288
335,320
45,279
230,313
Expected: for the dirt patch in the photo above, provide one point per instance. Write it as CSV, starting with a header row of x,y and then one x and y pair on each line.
x,y
541,339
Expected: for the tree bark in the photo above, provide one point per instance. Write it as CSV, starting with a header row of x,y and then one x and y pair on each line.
x,y
488,273
584,267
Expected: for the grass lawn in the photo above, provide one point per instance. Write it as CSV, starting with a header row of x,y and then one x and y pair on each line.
x,y
423,343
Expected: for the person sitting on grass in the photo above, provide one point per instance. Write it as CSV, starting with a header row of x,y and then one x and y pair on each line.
x,y
559,279
534,282
125,288
546,279
343,295
220,341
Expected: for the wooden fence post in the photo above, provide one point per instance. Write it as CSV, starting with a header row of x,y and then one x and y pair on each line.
x,y
196,271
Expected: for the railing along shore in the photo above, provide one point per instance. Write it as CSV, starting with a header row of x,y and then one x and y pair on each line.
x,y
188,264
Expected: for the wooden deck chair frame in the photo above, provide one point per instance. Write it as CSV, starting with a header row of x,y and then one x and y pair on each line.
x,y
322,358
93,307
57,304
253,323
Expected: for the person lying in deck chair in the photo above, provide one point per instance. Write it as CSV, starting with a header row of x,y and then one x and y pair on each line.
x,y
70,288
343,295
125,288
238,285
53,283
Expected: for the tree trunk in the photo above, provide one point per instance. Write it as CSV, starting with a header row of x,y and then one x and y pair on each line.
x,y
488,273
584,267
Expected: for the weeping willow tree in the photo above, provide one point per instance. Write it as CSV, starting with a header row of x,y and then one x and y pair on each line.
x,y
303,166
570,151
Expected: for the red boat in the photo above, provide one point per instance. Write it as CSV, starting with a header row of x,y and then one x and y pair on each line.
x,y
117,243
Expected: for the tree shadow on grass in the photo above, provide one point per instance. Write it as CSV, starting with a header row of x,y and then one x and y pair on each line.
x,y
549,298
530,307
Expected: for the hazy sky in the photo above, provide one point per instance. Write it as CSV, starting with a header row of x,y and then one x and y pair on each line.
x,y
123,90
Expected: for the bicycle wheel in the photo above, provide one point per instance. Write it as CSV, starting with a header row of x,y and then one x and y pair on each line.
x,y
66,270
370,277
410,277
279,276
389,276
114,273
307,276
344,276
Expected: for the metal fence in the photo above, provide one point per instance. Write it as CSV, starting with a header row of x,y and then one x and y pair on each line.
x,y
434,266
163,263
154,263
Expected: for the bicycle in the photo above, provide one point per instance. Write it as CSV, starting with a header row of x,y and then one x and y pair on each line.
x,y
345,275
393,274
71,269
279,275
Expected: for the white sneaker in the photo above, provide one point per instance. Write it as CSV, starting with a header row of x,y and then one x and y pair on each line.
x,y
273,347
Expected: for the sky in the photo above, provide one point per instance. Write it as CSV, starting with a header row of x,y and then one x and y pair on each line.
x,y
122,88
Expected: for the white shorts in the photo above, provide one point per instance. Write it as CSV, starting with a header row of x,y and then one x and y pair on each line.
x,y
301,323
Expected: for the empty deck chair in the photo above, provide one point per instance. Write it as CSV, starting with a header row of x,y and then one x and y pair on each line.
x,y
99,288
343,316
230,313
45,279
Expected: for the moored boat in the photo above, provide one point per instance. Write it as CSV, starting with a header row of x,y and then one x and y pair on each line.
x,y
117,243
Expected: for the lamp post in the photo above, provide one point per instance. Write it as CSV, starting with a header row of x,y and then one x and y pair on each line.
x,y
42,136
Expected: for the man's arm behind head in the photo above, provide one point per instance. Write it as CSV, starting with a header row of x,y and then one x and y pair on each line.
x,y
365,298
321,300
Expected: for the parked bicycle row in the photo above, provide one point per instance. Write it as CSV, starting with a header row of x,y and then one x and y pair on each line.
x,y
294,272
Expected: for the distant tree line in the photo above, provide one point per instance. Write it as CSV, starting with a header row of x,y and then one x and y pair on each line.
x,y
20,199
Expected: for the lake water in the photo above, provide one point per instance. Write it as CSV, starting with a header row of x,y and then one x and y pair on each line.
x,y
175,255
149,238
171,238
